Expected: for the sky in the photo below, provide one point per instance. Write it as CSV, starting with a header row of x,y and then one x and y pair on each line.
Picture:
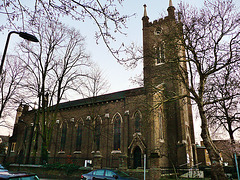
x,y
117,75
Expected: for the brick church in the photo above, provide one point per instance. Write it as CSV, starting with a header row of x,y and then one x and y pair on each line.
x,y
115,130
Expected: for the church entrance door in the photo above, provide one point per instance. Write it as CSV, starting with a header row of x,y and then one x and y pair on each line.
x,y
137,157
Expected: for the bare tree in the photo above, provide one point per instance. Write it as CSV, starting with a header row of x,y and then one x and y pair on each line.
x,y
105,16
211,39
10,88
223,115
138,80
94,83
52,71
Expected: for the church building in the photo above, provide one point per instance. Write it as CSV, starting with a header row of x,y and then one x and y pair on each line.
x,y
118,130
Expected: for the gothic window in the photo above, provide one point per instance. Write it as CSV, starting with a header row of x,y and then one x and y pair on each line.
x,y
159,54
97,133
13,147
137,117
117,132
79,137
63,137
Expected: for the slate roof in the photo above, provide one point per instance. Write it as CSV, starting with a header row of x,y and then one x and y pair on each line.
x,y
103,98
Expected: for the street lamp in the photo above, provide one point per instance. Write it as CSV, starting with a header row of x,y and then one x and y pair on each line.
x,y
23,35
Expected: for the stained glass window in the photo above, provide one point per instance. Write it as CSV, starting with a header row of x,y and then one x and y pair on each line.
x,y
79,137
137,122
117,132
63,137
97,133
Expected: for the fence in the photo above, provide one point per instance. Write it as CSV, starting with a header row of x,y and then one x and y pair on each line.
x,y
114,163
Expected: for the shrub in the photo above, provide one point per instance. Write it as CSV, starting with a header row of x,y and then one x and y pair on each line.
x,y
68,168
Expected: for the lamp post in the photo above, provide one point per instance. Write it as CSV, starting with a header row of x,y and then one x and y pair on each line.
x,y
23,35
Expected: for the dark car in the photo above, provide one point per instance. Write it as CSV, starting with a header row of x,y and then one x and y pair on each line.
x,y
2,168
106,174
17,175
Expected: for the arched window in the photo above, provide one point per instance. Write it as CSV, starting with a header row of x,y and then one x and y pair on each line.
x,y
79,137
159,54
97,133
117,132
63,137
137,117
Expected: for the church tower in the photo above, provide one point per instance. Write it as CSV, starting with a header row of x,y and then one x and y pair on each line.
x,y
172,134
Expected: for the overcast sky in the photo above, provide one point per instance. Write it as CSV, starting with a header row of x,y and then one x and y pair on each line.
x,y
116,74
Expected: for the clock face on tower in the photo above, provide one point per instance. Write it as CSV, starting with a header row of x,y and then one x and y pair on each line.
x,y
158,31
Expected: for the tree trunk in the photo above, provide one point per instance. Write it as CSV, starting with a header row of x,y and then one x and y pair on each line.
x,y
230,131
217,171
44,153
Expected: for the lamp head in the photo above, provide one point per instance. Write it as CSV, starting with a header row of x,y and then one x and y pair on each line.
x,y
28,37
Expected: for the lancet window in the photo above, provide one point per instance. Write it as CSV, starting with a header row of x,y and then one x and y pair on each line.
x,y
159,53
79,137
97,133
117,132
137,117
63,137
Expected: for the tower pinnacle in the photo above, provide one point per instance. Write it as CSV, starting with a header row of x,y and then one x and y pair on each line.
x,y
145,10
145,17
171,10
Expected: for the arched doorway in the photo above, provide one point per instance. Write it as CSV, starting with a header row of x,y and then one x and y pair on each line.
x,y
137,162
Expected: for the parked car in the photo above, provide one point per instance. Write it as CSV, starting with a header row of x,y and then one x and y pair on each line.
x,y
17,175
106,174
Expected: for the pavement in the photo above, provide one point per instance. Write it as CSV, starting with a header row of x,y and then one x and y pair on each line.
x,y
59,179
53,179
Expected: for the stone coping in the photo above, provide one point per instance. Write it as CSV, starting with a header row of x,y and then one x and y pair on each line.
x,y
26,165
